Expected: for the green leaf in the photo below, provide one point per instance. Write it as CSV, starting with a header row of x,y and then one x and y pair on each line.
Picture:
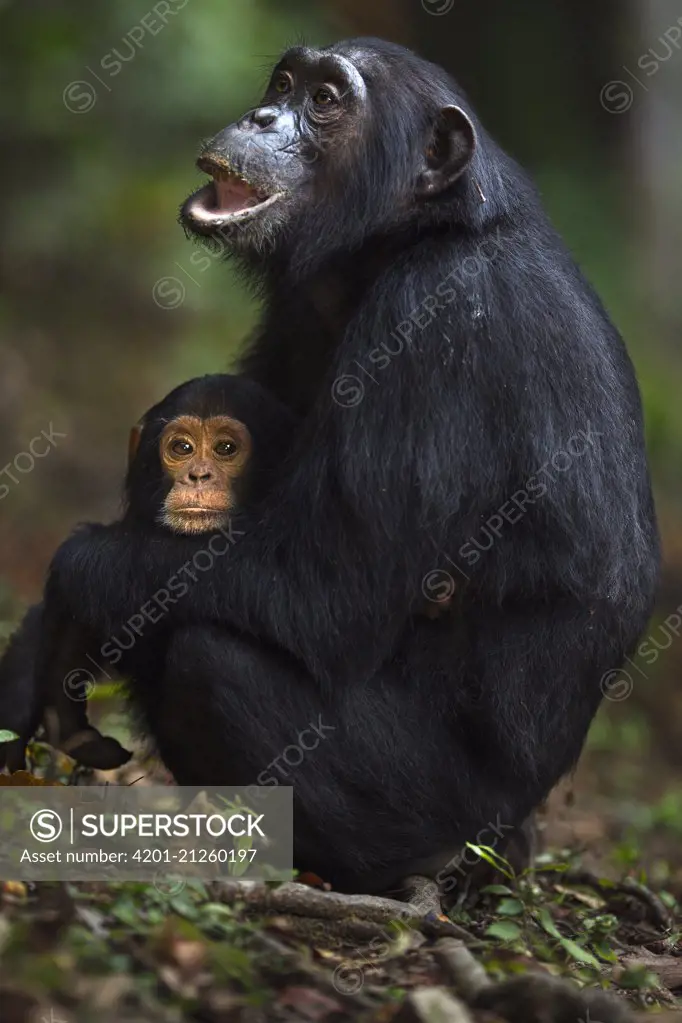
x,y
578,953
126,912
184,907
496,889
505,930
231,963
487,853
638,978
510,907
106,691
605,952
668,899
7,736
548,861
547,923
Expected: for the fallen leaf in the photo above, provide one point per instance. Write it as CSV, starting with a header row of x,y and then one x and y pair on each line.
x,y
587,898
309,1003
23,778
313,881
16,890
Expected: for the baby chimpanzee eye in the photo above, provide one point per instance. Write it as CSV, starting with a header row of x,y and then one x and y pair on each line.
x,y
182,447
225,448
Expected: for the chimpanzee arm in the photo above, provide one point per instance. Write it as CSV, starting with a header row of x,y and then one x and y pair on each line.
x,y
54,693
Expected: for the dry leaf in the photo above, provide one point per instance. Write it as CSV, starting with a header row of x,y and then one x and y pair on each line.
x,y
309,1003
20,778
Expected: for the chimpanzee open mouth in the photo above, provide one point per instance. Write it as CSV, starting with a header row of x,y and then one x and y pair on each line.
x,y
229,198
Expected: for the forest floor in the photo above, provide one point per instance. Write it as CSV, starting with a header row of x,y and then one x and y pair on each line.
x,y
601,906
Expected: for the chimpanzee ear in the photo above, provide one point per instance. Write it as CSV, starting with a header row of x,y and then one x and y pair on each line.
x,y
134,442
450,152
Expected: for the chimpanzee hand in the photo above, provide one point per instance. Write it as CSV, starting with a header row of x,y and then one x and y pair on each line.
x,y
20,702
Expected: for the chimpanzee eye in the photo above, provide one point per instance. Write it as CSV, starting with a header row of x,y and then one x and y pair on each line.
x,y
283,83
225,448
182,447
324,97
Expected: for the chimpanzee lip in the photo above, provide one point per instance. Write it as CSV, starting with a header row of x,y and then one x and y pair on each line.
x,y
228,199
208,506
187,519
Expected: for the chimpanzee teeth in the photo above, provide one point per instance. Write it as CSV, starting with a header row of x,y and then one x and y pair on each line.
x,y
222,174
221,169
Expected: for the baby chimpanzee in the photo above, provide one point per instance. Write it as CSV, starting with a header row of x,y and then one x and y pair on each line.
x,y
194,459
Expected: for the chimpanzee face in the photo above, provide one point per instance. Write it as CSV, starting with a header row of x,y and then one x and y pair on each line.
x,y
341,140
263,166
192,475
202,459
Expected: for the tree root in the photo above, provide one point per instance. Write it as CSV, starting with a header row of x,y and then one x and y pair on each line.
x,y
344,912
422,893
661,915
464,972
658,911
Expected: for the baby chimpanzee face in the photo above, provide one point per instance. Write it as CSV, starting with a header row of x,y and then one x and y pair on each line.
x,y
202,458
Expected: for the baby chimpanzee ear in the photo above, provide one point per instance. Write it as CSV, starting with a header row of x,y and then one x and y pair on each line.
x,y
450,152
134,442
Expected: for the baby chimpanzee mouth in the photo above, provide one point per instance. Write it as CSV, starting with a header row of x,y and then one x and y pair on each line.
x,y
230,197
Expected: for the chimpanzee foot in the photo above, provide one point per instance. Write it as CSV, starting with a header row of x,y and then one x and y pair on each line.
x,y
92,749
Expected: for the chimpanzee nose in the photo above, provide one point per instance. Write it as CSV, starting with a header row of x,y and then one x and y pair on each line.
x,y
200,475
262,117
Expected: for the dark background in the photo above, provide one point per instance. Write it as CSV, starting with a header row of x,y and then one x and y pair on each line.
x,y
102,108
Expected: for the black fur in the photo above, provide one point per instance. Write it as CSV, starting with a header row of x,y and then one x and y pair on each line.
x,y
440,727
21,708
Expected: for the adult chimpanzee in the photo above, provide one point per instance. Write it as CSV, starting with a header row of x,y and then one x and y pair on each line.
x,y
194,459
458,380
